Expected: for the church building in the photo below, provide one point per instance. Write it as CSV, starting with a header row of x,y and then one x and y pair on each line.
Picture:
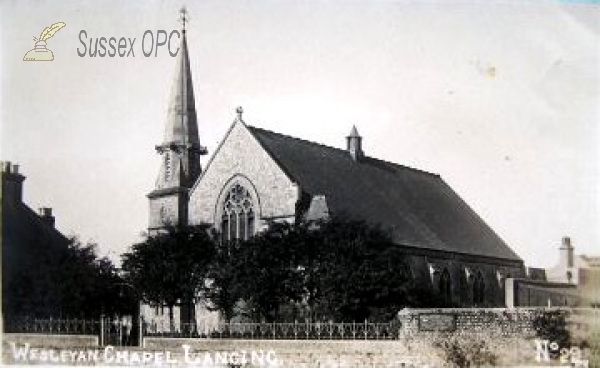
x,y
256,176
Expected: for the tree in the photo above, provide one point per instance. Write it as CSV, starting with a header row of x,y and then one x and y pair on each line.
x,y
270,271
89,280
262,272
339,270
358,272
170,268
224,289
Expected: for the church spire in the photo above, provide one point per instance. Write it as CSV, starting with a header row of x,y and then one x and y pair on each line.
x,y
180,149
181,130
183,17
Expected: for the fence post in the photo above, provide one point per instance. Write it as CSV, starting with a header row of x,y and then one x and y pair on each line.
x,y
140,329
120,327
102,329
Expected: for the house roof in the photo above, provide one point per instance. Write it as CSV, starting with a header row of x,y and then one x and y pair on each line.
x,y
29,247
419,208
25,234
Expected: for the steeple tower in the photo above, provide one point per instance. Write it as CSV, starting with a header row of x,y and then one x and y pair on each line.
x,y
354,144
180,150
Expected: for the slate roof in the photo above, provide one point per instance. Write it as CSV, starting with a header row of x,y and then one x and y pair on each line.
x,y
25,235
419,207
182,125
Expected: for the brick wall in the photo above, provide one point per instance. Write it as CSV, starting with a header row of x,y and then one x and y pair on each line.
x,y
491,321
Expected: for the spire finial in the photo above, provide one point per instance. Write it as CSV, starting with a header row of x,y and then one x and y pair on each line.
x,y
183,16
239,112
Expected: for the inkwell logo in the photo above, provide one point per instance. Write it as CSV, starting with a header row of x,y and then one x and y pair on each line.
x,y
40,52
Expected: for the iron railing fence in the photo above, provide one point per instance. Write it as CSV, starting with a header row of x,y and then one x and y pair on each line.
x,y
295,330
580,318
56,326
291,331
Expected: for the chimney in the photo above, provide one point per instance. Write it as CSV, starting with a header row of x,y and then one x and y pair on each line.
x,y
12,183
46,216
566,252
354,144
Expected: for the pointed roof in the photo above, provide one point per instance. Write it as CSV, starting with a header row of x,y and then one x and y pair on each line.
x,y
354,132
182,125
419,208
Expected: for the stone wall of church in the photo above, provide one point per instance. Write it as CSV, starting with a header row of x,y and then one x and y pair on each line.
x,y
164,211
241,156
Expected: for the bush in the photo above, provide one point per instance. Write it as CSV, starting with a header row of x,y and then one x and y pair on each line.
x,y
552,326
467,353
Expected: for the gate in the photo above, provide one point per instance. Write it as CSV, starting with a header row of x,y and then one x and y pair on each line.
x,y
117,332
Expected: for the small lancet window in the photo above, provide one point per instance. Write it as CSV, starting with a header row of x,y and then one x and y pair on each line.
x,y
478,289
167,166
445,287
238,214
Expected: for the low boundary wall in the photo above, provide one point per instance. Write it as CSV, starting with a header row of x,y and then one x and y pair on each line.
x,y
51,341
491,321
296,353
425,337
405,352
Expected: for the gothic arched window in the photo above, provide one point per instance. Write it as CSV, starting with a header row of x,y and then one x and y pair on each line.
x,y
238,214
446,287
405,271
478,289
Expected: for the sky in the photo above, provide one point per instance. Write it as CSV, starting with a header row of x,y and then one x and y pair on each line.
x,y
499,98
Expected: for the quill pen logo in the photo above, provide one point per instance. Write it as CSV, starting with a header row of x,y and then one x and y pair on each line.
x,y
40,52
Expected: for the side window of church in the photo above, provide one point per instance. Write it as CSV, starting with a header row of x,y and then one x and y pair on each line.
x,y
406,271
445,287
238,214
478,289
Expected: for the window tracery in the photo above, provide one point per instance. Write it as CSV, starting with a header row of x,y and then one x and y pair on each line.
x,y
238,219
